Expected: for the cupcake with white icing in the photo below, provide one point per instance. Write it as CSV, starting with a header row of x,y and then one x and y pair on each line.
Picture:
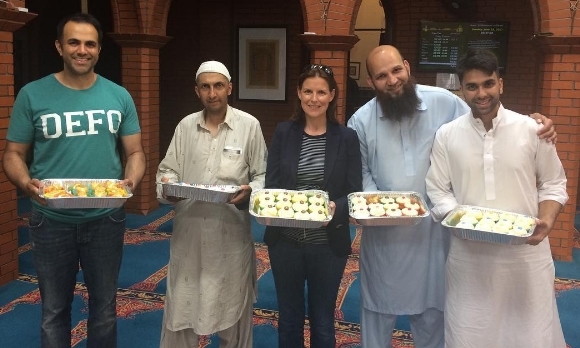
x,y
409,212
465,224
393,212
414,206
391,206
504,223
386,200
402,200
300,205
361,213
476,213
491,215
469,218
358,206
286,212
519,231
356,200
488,220
500,229
524,221
508,217
376,210
484,225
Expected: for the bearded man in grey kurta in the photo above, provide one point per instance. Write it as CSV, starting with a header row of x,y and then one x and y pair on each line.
x,y
211,280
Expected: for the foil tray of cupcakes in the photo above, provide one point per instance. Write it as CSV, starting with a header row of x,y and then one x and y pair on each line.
x,y
200,192
84,193
387,208
489,225
290,208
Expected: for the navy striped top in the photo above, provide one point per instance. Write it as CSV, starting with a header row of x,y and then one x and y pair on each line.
x,y
310,176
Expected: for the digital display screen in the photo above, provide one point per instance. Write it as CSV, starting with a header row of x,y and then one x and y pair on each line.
x,y
441,44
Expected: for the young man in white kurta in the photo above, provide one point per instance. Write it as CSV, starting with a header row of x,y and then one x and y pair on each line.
x,y
498,295
211,280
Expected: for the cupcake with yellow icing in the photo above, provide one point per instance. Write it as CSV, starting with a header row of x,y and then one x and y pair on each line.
x,y
317,198
282,195
299,197
315,206
302,215
283,203
269,210
317,215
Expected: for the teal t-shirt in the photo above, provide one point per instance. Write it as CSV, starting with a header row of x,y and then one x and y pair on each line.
x,y
74,134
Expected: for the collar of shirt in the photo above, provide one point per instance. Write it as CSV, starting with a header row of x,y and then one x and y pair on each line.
x,y
422,106
495,122
228,121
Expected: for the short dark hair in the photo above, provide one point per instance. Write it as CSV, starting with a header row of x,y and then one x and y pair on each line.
x,y
79,18
324,72
477,59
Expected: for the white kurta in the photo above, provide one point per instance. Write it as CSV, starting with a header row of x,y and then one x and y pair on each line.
x,y
497,295
212,271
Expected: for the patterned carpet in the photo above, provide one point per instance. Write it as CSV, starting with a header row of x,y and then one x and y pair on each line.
x,y
142,288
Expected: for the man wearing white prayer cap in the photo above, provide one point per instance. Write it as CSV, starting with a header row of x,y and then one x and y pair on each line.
x,y
211,277
213,66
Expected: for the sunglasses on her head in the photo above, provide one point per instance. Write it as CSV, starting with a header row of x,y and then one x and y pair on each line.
x,y
324,68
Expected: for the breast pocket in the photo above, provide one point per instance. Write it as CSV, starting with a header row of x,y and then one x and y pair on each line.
x,y
233,168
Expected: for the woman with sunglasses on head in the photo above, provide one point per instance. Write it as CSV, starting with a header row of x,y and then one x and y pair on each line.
x,y
312,151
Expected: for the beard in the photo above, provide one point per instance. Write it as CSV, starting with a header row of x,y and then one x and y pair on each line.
x,y
402,106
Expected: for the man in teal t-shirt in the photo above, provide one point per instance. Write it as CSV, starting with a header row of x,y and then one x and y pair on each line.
x,y
74,121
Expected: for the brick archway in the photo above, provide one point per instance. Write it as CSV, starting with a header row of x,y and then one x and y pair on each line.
x,y
558,42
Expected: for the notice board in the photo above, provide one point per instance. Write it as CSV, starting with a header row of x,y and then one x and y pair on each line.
x,y
441,44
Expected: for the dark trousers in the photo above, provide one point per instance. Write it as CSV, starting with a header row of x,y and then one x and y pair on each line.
x,y
57,250
293,265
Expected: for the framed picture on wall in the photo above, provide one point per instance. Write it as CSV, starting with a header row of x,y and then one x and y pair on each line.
x,y
262,64
354,70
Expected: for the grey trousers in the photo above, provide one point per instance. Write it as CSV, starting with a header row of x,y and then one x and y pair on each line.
x,y
377,329
237,336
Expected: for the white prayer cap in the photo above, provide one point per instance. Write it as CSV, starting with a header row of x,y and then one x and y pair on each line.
x,y
213,66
